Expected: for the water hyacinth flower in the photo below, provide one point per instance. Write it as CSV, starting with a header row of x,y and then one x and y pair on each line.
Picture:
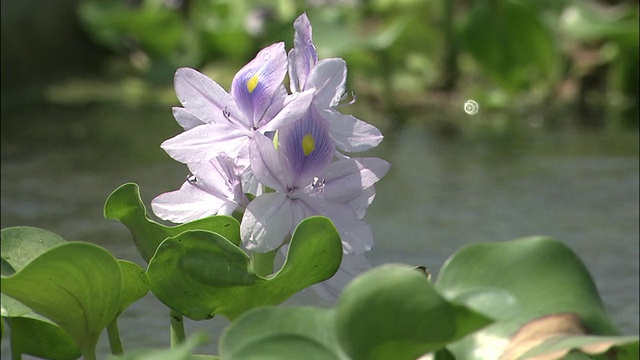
x,y
213,188
297,166
217,122
328,77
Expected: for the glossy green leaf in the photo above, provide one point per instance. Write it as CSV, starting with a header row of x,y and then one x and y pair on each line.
x,y
393,311
509,42
199,274
21,244
135,284
31,333
516,282
282,333
125,205
76,285
36,336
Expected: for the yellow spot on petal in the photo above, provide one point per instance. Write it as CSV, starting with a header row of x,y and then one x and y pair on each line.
x,y
275,140
308,144
252,83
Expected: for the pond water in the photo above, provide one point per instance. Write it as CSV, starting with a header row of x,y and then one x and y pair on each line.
x,y
489,183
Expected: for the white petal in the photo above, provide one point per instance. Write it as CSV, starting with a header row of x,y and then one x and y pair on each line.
x,y
346,179
352,266
356,235
328,77
351,134
269,165
267,221
186,119
186,204
205,142
203,97
295,105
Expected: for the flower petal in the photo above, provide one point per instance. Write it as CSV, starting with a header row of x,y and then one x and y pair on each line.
x,y
356,235
219,177
294,107
352,266
307,145
186,119
268,165
186,204
303,57
351,134
255,85
203,97
205,142
266,222
328,77
348,178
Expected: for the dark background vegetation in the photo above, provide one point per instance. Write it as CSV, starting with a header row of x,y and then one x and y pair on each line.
x,y
571,60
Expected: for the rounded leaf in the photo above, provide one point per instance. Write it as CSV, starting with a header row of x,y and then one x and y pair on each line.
x,y
393,311
274,332
518,281
125,205
21,244
76,285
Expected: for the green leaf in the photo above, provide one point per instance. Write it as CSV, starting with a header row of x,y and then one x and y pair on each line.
x,y
509,42
393,311
31,333
516,282
36,336
21,244
76,285
125,205
199,274
282,333
135,284
180,352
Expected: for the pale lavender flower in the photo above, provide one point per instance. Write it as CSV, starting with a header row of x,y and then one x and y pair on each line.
x,y
218,122
213,188
351,266
305,183
328,77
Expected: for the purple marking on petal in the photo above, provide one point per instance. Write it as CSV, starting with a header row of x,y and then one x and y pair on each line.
x,y
306,166
255,85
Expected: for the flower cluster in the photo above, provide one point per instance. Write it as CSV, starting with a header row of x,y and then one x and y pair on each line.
x,y
283,149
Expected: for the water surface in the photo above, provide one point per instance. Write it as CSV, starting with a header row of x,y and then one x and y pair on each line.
x,y
486,184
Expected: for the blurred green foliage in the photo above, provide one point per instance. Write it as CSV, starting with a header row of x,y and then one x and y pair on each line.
x,y
502,53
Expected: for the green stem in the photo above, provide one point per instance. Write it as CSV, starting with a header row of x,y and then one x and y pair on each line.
x,y
177,329
89,351
114,337
263,262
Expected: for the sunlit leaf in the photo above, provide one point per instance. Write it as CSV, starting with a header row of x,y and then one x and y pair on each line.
x,y
21,244
393,311
76,285
135,284
125,205
516,282
200,274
